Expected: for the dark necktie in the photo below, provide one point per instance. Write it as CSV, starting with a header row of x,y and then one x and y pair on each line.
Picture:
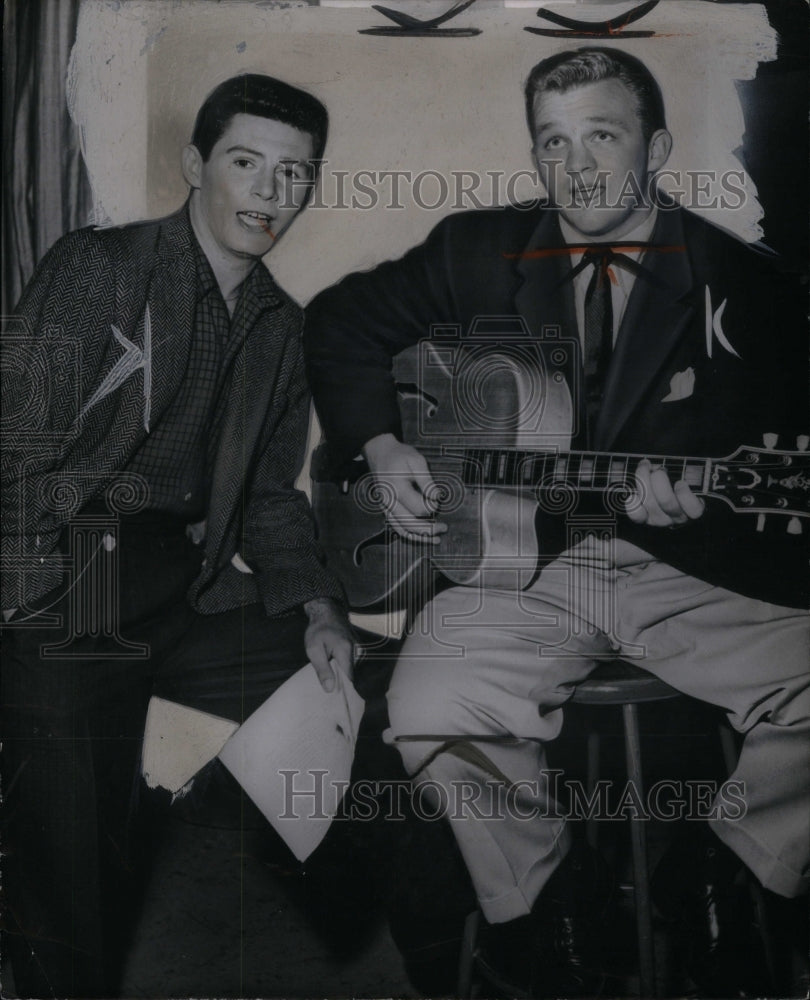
x,y
598,332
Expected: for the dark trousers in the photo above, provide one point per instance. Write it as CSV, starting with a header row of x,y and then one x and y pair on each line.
x,y
73,727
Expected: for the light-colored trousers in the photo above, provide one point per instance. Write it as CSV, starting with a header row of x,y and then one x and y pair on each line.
x,y
503,662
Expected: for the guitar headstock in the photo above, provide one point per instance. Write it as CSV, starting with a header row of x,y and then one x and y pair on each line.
x,y
765,480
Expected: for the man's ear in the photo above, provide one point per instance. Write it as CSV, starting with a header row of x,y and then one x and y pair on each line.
x,y
192,162
658,150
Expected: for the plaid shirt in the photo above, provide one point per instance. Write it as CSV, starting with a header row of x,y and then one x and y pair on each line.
x,y
176,460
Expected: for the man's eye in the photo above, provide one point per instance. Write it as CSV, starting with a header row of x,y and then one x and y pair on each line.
x,y
244,163
291,170
555,142
603,136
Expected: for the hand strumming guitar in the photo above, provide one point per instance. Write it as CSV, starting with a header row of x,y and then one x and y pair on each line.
x,y
403,471
658,503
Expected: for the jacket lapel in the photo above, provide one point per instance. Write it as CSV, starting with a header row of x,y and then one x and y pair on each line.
x,y
251,387
656,316
171,299
545,298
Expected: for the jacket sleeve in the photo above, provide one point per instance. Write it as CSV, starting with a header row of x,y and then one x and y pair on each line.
x,y
354,329
53,350
279,529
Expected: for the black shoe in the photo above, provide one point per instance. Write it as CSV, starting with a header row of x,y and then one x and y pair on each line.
x,y
787,921
554,952
699,887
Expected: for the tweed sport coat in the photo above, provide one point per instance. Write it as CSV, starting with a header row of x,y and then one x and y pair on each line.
x,y
711,354
95,353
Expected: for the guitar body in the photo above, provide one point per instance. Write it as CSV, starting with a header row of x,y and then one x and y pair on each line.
x,y
495,427
452,397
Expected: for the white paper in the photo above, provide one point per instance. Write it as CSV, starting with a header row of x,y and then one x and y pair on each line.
x,y
179,741
294,756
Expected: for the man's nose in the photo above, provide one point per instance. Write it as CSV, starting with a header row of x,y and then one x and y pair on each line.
x,y
265,185
579,159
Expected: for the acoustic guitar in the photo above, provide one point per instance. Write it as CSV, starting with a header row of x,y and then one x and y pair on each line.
x,y
496,429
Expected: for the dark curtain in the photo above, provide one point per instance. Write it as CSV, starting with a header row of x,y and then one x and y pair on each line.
x,y
45,188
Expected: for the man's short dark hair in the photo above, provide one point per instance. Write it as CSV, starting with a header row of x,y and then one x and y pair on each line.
x,y
570,69
266,97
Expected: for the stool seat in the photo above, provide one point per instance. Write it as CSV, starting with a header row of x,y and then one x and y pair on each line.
x,y
617,682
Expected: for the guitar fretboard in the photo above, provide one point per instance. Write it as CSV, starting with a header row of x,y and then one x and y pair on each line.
x,y
583,470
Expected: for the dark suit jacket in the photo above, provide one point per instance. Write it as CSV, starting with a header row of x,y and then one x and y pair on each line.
x,y
98,348
710,304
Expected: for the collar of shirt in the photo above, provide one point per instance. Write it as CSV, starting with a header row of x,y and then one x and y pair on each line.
x,y
257,293
621,280
258,290
254,294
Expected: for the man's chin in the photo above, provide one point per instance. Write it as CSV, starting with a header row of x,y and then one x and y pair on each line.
x,y
596,224
254,246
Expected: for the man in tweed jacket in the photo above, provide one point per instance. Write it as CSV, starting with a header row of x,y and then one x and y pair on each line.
x,y
153,539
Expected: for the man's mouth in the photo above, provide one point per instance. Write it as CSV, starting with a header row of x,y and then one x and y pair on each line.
x,y
257,221
581,196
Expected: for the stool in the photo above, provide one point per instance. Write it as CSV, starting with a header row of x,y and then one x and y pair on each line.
x,y
615,682
622,683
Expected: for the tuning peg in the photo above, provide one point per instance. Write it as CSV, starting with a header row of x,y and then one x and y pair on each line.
x,y
794,526
760,522
802,442
769,440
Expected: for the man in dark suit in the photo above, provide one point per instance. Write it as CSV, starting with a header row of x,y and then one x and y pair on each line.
x,y
687,342
152,530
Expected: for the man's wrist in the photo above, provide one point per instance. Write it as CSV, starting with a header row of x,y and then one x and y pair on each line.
x,y
379,446
323,607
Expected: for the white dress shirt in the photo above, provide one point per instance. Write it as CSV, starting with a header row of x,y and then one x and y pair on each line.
x,y
621,279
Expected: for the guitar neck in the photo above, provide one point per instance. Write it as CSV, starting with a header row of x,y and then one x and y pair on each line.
x,y
577,469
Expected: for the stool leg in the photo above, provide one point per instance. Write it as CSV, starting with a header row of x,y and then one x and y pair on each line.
x,y
594,746
466,958
641,878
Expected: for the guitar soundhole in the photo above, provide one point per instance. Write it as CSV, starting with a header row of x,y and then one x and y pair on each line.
x,y
413,391
385,537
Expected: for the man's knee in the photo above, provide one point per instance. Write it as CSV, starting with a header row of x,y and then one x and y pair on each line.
x,y
423,705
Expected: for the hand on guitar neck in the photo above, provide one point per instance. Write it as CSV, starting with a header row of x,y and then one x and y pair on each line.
x,y
410,492
411,504
660,504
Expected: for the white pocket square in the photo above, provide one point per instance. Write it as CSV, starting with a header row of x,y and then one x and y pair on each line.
x,y
681,386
